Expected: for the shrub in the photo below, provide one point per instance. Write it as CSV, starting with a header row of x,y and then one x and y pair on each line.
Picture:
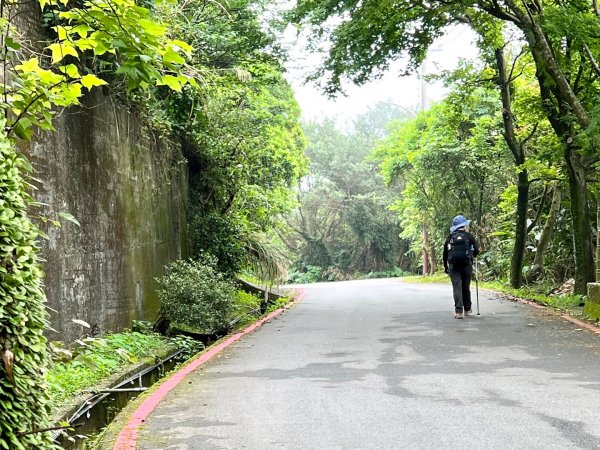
x,y
392,273
246,309
195,295
312,274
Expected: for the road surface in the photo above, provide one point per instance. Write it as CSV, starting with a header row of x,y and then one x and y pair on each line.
x,y
382,364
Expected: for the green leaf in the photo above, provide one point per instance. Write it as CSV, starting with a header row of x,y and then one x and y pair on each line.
x,y
62,32
70,70
100,48
180,44
48,77
10,43
29,66
69,217
61,50
82,30
172,82
172,57
89,81
152,28
23,129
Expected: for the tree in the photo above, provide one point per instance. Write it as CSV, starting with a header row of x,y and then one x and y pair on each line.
x,y
342,223
561,38
449,159
240,130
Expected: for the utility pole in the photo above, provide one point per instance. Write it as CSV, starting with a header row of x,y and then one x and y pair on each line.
x,y
427,252
424,85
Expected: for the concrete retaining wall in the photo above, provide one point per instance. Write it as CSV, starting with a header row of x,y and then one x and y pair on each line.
x,y
129,194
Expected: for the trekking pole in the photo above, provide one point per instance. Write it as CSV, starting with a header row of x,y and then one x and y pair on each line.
x,y
477,285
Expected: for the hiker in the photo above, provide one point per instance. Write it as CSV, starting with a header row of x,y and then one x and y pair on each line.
x,y
459,250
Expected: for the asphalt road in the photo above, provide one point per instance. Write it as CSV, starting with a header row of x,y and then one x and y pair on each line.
x,y
382,364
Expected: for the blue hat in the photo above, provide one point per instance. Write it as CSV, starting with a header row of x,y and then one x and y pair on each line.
x,y
459,222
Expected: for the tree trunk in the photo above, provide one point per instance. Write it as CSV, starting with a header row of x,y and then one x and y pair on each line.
x,y
561,122
516,266
425,252
518,151
538,262
432,260
580,217
161,324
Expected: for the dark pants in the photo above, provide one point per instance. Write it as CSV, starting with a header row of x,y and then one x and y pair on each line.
x,y
461,281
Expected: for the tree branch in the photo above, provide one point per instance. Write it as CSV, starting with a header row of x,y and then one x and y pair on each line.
x,y
43,430
496,11
538,213
591,58
507,115
530,135
510,78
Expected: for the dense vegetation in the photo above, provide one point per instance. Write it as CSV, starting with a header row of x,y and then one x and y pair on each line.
x,y
81,368
240,133
514,147
343,227
517,147
201,75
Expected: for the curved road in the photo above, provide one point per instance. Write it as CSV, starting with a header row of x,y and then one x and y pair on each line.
x,y
381,364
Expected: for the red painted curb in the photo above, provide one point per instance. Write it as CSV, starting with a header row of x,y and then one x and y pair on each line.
x,y
127,438
580,323
530,303
585,325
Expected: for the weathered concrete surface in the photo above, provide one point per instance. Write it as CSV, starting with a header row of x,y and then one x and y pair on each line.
x,y
126,188
129,193
380,364
592,303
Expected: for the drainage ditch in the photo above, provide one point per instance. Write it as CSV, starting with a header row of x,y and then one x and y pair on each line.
x,y
100,409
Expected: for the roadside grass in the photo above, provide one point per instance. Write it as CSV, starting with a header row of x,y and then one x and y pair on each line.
x,y
392,273
95,359
535,293
439,277
247,308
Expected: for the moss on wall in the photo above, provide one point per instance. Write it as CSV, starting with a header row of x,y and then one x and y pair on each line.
x,y
592,304
129,196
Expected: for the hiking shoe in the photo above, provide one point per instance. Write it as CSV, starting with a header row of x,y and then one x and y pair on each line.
x,y
458,315
468,312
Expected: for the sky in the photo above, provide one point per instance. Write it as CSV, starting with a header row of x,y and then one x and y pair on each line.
x,y
405,92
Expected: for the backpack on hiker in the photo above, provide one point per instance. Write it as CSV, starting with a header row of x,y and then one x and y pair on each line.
x,y
460,249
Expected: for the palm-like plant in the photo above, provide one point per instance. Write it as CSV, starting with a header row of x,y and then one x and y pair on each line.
x,y
266,258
